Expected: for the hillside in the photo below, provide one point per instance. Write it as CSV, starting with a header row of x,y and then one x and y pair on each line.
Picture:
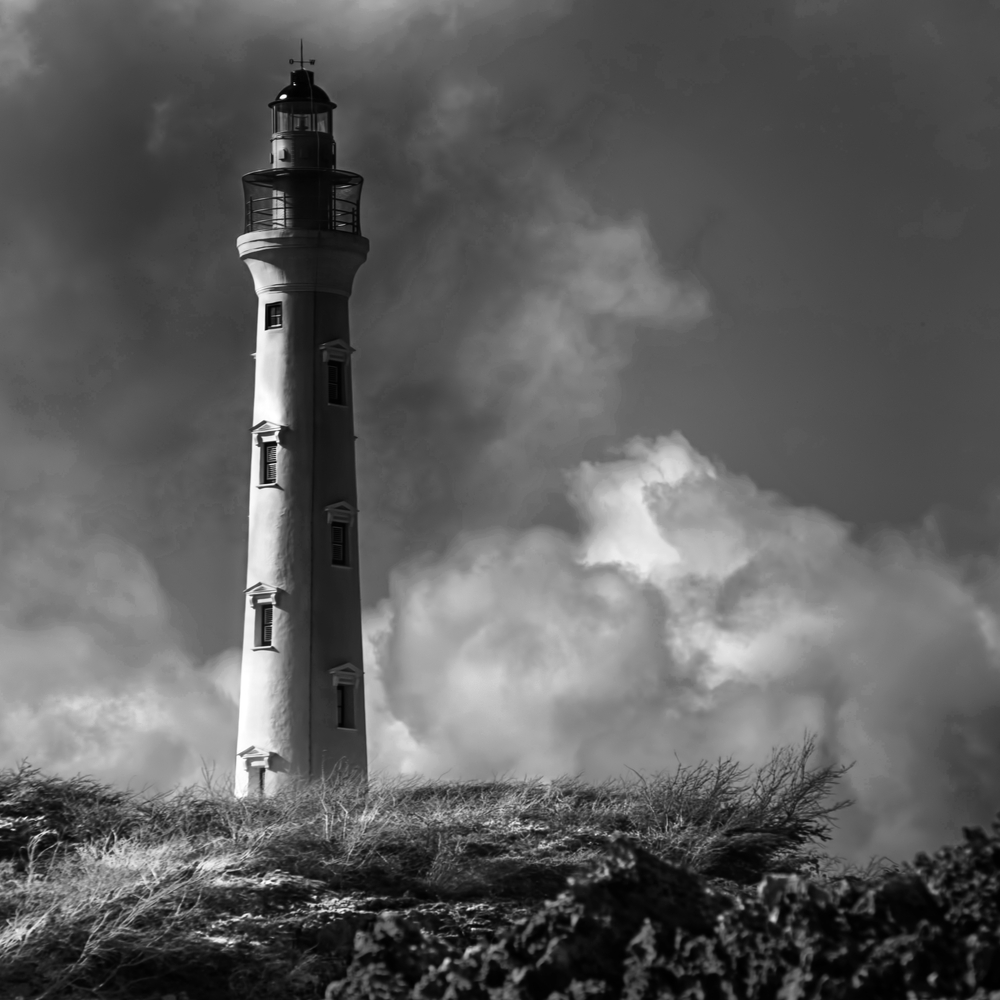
x,y
367,884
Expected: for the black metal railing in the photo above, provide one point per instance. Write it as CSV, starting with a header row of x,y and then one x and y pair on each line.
x,y
277,212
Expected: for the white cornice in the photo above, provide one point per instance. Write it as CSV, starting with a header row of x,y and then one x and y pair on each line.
x,y
346,673
336,350
340,513
254,756
265,430
262,593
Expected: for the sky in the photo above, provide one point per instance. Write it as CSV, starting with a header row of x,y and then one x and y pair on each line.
x,y
676,350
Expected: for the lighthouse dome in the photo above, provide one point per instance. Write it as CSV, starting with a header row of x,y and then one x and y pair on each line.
x,y
302,107
302,89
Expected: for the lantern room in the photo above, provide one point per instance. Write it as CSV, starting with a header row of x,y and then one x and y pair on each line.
x,y
302,126
302,106
303,189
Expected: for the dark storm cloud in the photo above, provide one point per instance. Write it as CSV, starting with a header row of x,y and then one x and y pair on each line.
x,y
127,202
130,320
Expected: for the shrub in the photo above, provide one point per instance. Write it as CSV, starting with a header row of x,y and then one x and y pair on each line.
x,y
639,928
38,811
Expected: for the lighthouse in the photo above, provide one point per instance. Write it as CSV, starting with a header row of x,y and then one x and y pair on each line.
x,y
302,680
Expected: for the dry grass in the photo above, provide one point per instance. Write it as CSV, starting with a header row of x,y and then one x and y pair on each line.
x,y
118,891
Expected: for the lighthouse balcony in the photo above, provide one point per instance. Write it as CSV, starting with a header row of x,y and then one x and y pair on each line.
x,y
327,200
268,213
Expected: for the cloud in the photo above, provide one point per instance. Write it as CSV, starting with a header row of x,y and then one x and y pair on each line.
x,y
548,368
16,51
507,316
697,615
355,21
77,708
93,677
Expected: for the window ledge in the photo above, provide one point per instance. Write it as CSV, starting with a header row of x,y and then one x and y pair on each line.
x,y
347,729
268,486
257,649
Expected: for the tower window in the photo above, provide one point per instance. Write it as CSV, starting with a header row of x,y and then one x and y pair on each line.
x,y
272,315
345,706
336,355
346,678
269,462
267,438
335,389
338,544
264,625
340,517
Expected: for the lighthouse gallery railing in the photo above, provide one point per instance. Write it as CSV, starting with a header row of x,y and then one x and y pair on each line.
x,y
275,213
302,199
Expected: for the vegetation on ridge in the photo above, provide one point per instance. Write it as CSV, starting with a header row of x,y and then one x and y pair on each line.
x,y
200,894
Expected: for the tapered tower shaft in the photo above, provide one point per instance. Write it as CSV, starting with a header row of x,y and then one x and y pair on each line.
x,y
302,682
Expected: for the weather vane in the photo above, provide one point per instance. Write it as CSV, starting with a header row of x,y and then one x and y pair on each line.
x,y
302,61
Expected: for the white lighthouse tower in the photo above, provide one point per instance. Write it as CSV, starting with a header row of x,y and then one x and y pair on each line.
x,y
302,682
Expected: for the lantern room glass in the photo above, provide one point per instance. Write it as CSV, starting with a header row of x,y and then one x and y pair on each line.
x,y
298,116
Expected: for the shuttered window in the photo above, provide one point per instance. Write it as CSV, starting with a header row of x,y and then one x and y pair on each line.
x,y
266,613
335,389
269,462
338,544
272,315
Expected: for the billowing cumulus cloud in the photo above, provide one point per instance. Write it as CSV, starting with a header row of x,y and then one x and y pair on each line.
x,y
697,615
93,675
511,320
